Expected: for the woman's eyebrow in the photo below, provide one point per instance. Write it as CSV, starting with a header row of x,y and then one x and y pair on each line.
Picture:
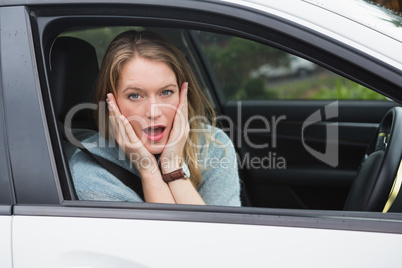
x,y
141,90
132,88
169,85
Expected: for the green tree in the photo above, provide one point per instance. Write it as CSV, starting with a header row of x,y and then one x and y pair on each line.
x,y
232,59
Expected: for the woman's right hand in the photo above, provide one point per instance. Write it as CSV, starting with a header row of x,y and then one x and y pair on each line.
x,y
124,134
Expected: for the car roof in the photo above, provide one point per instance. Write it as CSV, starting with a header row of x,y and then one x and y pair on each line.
x,y
359,24
366,13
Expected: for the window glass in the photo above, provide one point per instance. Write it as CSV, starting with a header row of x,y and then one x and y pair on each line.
x,y
249,70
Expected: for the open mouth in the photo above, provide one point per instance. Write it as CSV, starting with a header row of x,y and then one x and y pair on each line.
x,y
154,133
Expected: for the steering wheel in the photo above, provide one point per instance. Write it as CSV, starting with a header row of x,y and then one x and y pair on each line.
x,y
376,177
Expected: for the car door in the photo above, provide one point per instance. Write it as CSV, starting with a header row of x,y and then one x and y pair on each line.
x,y
50,228
6,195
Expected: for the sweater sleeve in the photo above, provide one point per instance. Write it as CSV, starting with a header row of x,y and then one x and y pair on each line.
x,y
93,182
220,179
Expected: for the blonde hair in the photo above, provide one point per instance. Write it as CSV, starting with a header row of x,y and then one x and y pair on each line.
x,y
130,44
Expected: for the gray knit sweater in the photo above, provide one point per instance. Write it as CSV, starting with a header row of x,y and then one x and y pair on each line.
x,y
220,180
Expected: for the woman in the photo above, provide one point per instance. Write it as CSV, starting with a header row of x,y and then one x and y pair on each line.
x,y
157,115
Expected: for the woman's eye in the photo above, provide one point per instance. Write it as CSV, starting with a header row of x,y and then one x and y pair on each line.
x,y
167,92
134,96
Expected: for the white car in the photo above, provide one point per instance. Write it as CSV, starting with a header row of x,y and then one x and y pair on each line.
x,y
321,172
296,67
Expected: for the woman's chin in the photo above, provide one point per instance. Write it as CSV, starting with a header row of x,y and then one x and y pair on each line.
x,y
155,148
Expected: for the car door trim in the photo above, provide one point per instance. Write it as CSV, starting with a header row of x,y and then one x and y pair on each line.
x,y
340,220
6,189
5,210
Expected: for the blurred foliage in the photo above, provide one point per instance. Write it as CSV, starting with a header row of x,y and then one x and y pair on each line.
x,y
395,5
324,85
353,91
232,59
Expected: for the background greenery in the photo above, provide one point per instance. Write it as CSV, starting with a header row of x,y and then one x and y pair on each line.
x,y
232,60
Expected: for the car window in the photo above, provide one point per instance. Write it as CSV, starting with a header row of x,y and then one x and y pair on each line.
x,y
99,37
247,70
78,46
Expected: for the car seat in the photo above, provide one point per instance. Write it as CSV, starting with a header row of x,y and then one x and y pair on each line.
x,y
73,72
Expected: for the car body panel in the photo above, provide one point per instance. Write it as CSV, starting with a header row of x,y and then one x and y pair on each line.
x,y
366,13
185,244
27,130
6,252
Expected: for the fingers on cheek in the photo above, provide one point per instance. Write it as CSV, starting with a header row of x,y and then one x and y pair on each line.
x,y
125,121
112,123
111,106
115,128
122,126
187,129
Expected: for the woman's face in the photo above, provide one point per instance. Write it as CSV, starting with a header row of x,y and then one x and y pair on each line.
x,y
148,95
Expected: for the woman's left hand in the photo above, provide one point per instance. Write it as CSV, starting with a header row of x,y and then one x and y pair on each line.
x,y
172,156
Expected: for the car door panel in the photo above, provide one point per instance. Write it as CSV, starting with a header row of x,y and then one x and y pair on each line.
x,y
5,241
122,239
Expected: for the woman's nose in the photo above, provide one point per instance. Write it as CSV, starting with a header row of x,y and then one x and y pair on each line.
x,y
153,110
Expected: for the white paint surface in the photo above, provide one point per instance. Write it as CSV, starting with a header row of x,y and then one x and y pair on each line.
x,y
91,242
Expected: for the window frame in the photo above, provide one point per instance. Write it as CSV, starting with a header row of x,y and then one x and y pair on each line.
x,y
20,88
48,21
7,198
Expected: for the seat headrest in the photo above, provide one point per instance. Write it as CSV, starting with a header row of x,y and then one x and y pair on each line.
x,y
73,72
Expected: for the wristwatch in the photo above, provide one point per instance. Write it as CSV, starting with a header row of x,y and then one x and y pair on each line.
x,y
181,173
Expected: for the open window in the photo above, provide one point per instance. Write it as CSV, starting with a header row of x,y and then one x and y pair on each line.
x,y
259,80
